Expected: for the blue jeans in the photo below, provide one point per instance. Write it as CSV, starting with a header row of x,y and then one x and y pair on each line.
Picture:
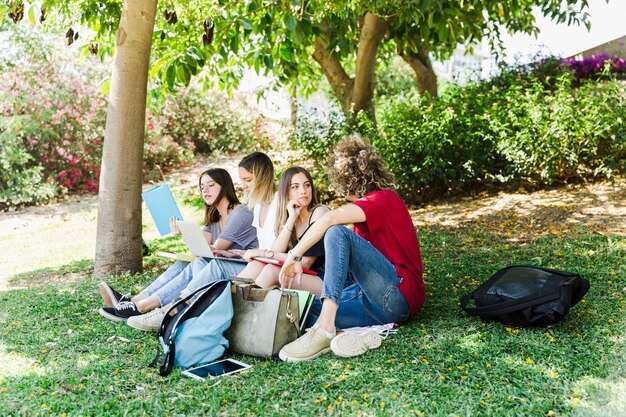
x,y
171,282
211,271
374,298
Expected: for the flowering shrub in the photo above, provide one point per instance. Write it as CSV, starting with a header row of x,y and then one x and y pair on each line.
x,y
52,118
203,121
595,65
51,128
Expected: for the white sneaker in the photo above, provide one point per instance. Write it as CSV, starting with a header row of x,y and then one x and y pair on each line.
x,y
349,344
149,322
312,344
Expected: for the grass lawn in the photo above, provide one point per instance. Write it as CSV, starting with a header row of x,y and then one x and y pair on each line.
x,y
59,357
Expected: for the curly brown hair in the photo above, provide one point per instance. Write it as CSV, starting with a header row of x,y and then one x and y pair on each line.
x,y
356,169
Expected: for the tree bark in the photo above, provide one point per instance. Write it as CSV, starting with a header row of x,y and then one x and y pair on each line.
x,y
118,245
373,29
423,68
339,81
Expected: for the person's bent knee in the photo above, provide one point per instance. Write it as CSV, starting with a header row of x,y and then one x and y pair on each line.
x,y
336,231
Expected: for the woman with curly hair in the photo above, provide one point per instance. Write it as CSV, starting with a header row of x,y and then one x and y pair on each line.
x,y
381,256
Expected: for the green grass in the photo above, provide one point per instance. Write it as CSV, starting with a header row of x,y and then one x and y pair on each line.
x,y
58,356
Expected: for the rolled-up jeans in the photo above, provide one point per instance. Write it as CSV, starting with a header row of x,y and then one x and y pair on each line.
x,y
374,297
206,271
171,282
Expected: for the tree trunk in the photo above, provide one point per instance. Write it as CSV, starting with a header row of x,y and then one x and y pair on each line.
x,y
423,68
354,94
118,245
373,29
339,81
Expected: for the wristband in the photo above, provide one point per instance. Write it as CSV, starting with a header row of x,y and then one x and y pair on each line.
x,y
294,256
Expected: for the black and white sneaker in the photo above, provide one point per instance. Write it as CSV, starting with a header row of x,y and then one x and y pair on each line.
x,y
122,312
110,296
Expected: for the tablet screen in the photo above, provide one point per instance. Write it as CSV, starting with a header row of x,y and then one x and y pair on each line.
x,y
226,366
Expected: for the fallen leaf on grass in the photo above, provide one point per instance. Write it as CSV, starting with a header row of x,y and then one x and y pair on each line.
x,y
120,338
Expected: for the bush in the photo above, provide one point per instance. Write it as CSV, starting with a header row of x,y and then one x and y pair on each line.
x,y
51,125
545,137
539,127
52,118
205,121
434,146
595,66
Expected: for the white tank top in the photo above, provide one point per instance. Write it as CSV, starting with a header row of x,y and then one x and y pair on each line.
x,y
265,234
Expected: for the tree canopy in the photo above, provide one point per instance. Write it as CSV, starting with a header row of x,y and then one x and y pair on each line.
x,y
297,41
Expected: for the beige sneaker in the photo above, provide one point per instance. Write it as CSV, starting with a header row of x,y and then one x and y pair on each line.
x,y
314,343
348,344
149,322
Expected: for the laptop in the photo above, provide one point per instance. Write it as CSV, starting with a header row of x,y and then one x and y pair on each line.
x,y
194,238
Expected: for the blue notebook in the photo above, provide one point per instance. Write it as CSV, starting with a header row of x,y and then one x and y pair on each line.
x,y
162,206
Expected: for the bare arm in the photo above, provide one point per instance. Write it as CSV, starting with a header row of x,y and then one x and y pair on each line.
x,y
348,214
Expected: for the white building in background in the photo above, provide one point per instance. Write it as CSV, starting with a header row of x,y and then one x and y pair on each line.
x,y
462,67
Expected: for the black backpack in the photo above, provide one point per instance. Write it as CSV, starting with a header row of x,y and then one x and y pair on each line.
x,y
526,296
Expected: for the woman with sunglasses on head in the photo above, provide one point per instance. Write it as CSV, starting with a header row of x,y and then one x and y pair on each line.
x,y
227,224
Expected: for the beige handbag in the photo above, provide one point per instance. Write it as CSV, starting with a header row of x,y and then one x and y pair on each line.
x,y
264,320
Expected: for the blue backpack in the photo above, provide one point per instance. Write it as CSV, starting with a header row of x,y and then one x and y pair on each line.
x,y
195,334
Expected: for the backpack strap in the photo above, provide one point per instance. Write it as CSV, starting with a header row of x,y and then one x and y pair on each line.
x,y
167,365
507,306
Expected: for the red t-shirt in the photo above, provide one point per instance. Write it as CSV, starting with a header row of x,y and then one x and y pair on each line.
x,y
389,228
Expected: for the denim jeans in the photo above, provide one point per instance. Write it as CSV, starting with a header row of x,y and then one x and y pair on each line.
x,y
374,298
171,282
211,271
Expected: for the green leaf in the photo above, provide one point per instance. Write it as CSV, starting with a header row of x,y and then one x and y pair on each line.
x,y
192,63
286,54
291,23
424,5
183,73
234,43
268,61
31,15
170,76
106,87
246,23
3,10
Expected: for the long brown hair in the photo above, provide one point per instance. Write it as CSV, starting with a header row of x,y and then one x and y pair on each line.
x,y
284,186
261,167
223,178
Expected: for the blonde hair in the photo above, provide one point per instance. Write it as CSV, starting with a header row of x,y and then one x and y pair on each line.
x,y
261,167
356,169
284,187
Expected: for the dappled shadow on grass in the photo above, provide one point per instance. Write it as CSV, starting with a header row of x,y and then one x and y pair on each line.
x,y
595,208
68,274
441,363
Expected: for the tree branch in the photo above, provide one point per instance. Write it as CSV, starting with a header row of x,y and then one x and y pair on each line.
x,y
339,80
373,30
423,68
